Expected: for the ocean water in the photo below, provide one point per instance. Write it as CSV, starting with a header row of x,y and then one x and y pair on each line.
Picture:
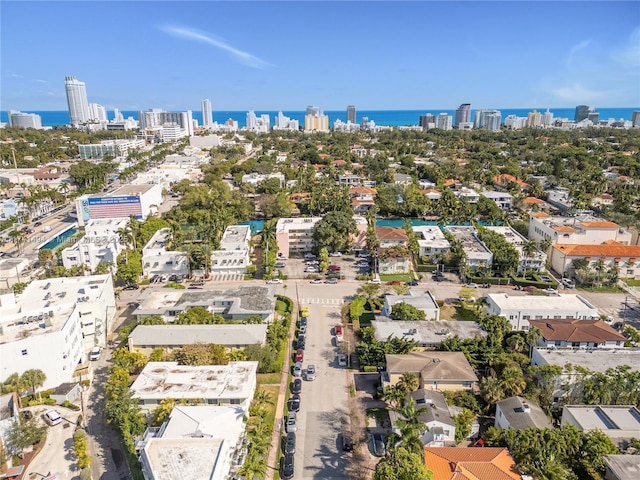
x,y
380,117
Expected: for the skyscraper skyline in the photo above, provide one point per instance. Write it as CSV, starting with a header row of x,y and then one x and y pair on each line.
x,y
207,113
351,113
582,112
77,100
463,114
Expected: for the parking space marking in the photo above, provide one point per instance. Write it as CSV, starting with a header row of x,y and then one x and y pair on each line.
x,y
322,301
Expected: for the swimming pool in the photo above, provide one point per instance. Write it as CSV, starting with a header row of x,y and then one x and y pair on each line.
x,y
59,239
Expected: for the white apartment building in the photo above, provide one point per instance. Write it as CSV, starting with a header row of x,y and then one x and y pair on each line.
x,y
11,271
53,324
559,197
237,303
502,199
534,261
468,194
256,178
113,148
520,309
233,256
157,260
580,230
285,123
236,237
624,258
431,240
476,252
422,300
25,120
197,442
101,243
233,384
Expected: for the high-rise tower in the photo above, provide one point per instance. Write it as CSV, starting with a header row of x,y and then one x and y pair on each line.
x,y
582,112
77,101
207,113
463,114
351,114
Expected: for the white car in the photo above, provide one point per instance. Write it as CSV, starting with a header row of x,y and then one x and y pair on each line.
x,y
312,262
375,280
309,256
275,280
342,360
52,417
311,270
316,281
551,291
94,354
335,254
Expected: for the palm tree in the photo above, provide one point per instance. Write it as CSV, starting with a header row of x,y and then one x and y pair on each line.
x,y
411,427
491,389
33,379
409,382
17,238
394,396
263,397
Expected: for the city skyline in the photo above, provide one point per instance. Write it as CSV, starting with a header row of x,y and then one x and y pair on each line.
x,y
261,56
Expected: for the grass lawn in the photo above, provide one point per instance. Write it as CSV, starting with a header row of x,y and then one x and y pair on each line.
x,y
268,378
396,277
380,417
602,289
271,408
632,283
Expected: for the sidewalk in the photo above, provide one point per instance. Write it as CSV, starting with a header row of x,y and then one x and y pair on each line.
x,y
273,463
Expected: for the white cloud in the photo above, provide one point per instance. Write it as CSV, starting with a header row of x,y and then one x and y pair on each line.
x,y
37,80
578,93
15,75
629,55
238,55
575,51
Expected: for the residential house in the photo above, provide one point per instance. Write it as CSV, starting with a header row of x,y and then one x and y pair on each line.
x,y
507,181
571,332
535,204
393,252
519,413
477,254
432,194
468,194
349,180
529,261
520,309
256,178
441,429
435,370
196,442
502,199
402,179
468,463
431,241
233,384
620,423
362,199
422,300
605,258
560,198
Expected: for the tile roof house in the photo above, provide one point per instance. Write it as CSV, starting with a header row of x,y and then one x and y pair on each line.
x,y
519,413
455,463
435,370
613,255
571,332
505,180
393,255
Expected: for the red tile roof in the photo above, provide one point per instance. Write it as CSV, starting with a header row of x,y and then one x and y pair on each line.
x,y
600,225
390,233
539,214
468,463
533,200
362,191
574,330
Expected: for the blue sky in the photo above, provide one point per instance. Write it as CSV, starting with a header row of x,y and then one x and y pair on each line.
x,y
287,55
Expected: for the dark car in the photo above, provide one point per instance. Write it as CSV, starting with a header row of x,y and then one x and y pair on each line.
x,y
300,341
131,286
296,386
37,224
379,448
413,283
294,403
347,443
287,467
290,444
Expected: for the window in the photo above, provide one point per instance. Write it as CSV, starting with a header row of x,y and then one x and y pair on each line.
x,y
235,401
212,401
630,271
24,352
558,343
526,317
575,344
510,317
538,317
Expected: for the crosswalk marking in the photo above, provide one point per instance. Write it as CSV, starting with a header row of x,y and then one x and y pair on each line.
x,y
322,301
227,277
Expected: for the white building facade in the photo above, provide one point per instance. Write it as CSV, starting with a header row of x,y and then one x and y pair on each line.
x,y
101,243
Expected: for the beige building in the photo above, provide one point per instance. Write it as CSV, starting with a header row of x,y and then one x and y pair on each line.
x,y
623,258
584,230
435,370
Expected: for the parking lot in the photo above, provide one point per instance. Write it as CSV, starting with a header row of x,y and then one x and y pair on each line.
x,y
294,267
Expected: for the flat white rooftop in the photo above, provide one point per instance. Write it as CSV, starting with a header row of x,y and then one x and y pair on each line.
x,y
159,380
45,305
426,333
595,360
467,237
431,236
561,303
180,458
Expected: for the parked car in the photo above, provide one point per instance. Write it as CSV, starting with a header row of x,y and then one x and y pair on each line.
x,y
296,386
275,280
287,467
299,355
335,254
297,369
362,264
131,286
300,343
52,417
280,265
309,256
413,283
294,403
281,256
95,354
379,448
311,270
292,422
337,330
375,280
173,277
316,281
37,224
311,373
302,329
290,443
312,263
334,268
342,360
363,255
331,281
347,443
471,285
303,321
551,291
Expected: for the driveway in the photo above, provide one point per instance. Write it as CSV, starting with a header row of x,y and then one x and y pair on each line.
x,y
57,455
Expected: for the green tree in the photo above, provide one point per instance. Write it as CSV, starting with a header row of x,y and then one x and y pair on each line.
x,y
163,411
33,379
129,266
463,423
198,316
356,308
406,312
402,464
323,259
201,354
409,382
23,433
334,231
